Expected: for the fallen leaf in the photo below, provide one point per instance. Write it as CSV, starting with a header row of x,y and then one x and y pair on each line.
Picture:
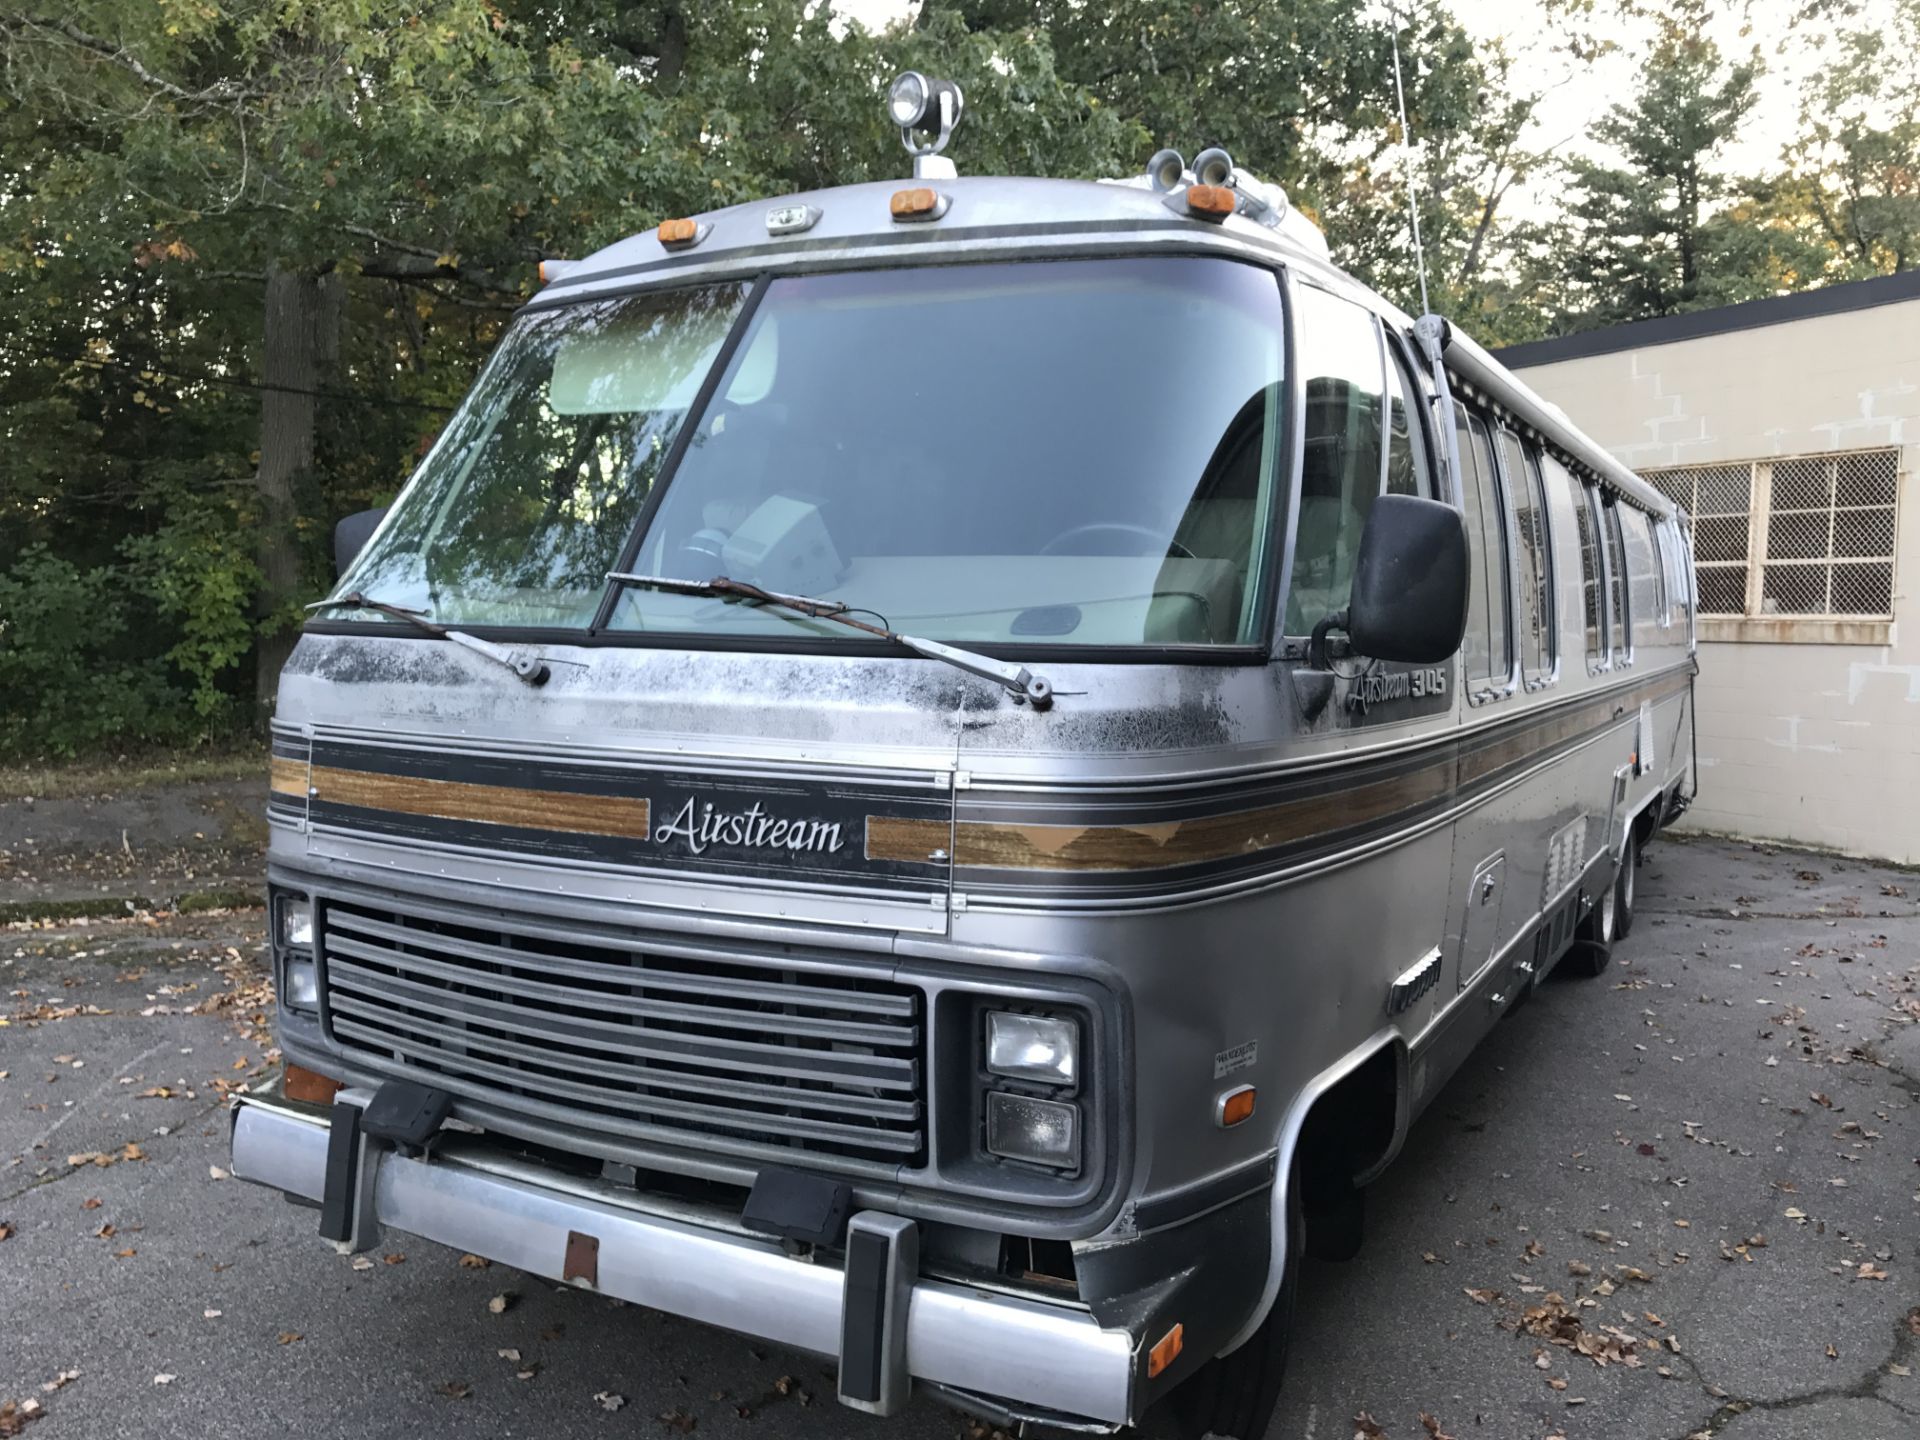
x,y
474,1262
214,1172
513,1355
1365,1428
1483,1297
1433,1427
60,1381
1869,1271
608,1400
454,1389
499,1304
126,1254
679,1420
16,1416
6,1229
1832,1354
363,1262
1579,1267
211,1314
395,1259
165,1379
1556,1383
287,1337
91,1203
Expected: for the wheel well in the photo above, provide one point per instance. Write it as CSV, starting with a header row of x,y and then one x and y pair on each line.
x,y
1348,1137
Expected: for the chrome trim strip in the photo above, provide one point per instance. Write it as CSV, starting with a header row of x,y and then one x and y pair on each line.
x,y
1052,1356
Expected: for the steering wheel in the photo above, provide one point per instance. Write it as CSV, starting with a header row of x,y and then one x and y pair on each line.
x,y
1059,544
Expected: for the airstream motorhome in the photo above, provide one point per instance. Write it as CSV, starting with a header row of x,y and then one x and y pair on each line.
x,y
935,772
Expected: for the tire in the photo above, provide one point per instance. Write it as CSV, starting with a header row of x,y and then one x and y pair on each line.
x,y
1234,1396
1623,886
1592,948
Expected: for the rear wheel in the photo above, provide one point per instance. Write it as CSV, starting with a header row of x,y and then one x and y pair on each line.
x,y
1592,949
1623,888
1234,1396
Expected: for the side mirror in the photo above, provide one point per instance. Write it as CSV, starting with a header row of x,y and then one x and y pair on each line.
x,y
1409,601
350,537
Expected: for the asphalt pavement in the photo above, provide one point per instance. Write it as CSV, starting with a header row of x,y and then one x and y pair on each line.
x,y
1680,1200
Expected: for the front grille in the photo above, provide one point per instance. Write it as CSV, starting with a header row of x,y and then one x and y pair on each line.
x,y
733,1053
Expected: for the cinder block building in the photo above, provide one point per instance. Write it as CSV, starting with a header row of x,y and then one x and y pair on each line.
x,y
1789,429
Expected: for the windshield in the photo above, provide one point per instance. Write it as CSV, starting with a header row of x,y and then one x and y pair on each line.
x,y
1069,452
523,504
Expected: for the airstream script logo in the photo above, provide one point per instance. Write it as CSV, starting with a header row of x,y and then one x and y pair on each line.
x,y
1374,688
702,826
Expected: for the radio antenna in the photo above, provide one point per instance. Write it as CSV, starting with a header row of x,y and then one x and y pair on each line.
x,y
1406,164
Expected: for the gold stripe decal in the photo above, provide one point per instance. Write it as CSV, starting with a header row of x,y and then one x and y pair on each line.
x,y
287,777
998,846
905,841
557,810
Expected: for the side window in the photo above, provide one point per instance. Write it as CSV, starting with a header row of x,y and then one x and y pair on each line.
x,y
1593,577
1406,455
1533,556
1619,610
1644,582
1662,569
1340,358
1487,650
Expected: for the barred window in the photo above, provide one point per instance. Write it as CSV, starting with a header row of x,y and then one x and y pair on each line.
x,y
1807,535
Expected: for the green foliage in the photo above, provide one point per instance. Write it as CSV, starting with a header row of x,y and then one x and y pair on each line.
x,y
71,664
198,569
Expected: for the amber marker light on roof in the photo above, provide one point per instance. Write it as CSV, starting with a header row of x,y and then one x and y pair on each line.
x,y
919,203
1166,1350
1210,202
678,232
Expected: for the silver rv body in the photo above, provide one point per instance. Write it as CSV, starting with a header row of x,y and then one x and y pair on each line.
x,y
712,935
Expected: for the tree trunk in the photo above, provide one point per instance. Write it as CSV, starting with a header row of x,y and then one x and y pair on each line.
x,y
300,342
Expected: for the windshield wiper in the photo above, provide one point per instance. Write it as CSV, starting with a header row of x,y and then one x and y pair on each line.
x,y
530,668
1016,679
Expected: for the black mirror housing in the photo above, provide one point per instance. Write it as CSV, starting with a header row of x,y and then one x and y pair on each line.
x,y
350,537
1409,601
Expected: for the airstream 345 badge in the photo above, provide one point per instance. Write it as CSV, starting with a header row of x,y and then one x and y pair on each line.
x,y
700,826
1375,687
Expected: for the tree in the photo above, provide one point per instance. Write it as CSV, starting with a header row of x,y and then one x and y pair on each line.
x,y
251,253
1645,235
1855,166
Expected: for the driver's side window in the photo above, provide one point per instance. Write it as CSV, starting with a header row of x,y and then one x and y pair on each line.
x,y
1341,355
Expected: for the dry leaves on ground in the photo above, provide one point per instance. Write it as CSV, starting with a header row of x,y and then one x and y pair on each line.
x,y
1433,1427
607,1400
1365,1427
15,1416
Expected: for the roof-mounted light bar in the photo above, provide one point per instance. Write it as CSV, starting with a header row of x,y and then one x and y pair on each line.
x,y
920,103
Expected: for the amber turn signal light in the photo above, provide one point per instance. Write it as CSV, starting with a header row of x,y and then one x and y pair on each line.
x,y
1234,1107
1211,202
678,232
1166,1350
300,1083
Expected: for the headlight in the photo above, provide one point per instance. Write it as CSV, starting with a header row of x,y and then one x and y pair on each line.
x,y
303,983
1041,1048
1040,1132
296,924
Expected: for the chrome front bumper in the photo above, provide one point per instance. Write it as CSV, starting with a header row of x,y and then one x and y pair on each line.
x,y
1022,1353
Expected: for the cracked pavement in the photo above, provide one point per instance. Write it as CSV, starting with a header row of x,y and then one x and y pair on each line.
x,y
1722,1132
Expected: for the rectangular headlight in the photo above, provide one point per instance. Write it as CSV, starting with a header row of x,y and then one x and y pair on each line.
x,y
1041,1048
1040,1132
303,983
296,924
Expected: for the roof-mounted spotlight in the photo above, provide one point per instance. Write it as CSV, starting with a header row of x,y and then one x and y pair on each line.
x,y
917,102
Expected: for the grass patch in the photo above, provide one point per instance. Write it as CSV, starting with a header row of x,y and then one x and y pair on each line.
x,y
104,776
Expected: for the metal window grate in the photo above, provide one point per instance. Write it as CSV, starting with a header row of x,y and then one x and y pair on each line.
x,y
1806,535
1719,498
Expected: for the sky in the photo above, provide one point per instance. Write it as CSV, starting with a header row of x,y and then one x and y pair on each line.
x,y
1570,107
